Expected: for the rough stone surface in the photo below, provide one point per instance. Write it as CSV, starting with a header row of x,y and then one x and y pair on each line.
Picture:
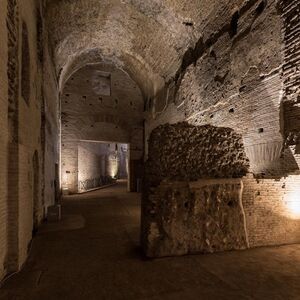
x,y
180,218
3,140
206,216
185,152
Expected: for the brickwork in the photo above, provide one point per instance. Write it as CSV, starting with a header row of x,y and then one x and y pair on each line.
x,y
94,160
291,77
50,127
224,82
3,138
21,123
117,71
272,210
12,21
91,161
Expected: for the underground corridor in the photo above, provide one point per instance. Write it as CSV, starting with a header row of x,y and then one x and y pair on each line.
x,y
149,149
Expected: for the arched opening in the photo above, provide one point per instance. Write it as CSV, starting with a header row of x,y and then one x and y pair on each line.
x,y
101,107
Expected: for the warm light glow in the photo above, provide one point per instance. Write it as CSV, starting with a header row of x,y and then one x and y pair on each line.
x,y
113,165
293,204
65,180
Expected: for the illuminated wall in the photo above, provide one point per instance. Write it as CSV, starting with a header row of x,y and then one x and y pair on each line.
x,y
87,161
117,160
272,210
249,81
90,162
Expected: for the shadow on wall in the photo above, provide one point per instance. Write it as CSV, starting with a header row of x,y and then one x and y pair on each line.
x,y
291,113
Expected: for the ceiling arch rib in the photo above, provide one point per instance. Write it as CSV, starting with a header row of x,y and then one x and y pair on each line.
x,y
135,68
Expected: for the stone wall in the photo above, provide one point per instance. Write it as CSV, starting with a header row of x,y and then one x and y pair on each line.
x,y
226,83
290,73
50,128
182,215
185,152
203,216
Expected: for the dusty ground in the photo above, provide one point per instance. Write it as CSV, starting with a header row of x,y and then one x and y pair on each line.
x,y
94,254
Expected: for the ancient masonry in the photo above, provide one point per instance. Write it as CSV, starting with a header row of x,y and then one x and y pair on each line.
x,y
13,119
184,210
198,99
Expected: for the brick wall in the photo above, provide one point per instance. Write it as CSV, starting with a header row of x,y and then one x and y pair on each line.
x,y
50,127
83,161
21,151
272,210
91,163
12,21
236,80
3,137
29,124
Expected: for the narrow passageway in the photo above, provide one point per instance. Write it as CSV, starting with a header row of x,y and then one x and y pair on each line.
x,y
93,253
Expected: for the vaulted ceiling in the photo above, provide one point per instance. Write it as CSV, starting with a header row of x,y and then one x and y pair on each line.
x,y
147,38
